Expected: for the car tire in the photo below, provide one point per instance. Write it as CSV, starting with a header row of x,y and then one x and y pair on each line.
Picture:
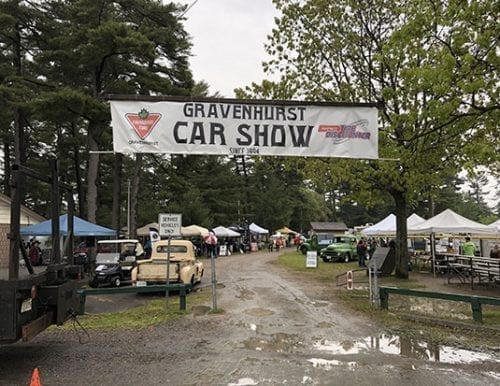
x,y
325,259
116,281
347,258
303,251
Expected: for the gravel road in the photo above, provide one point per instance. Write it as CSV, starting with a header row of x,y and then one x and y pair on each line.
x,y
276,328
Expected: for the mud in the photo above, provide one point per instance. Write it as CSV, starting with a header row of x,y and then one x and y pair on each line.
x,y
276,328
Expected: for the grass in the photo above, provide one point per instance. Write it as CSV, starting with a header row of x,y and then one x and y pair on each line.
x,y
151,313
395,320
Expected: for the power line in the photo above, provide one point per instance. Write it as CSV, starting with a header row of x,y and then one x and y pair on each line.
x,y
188,8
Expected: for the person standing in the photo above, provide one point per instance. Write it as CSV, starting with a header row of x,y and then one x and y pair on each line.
x,y
211,243
361,251
34,253
372,246
469,248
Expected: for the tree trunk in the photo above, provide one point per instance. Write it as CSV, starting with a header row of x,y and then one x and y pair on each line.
x,y
117,192
401,236
7,168
78,175
134,194
92,175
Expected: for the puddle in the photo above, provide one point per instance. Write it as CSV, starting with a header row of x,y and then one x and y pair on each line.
x,y
404,346
279,342
244,382
329,364
443,308
251,326
259,312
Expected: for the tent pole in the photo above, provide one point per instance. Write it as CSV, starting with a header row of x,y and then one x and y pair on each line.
x,y
433,254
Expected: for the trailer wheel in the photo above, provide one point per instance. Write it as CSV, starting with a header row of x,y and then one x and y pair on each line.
x,y
116,281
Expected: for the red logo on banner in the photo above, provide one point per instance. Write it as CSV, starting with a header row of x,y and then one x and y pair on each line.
x,y
143,122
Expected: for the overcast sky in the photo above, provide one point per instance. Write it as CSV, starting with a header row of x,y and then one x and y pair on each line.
x,y
228,39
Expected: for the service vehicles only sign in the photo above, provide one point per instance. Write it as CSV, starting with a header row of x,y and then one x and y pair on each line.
x,y
170,224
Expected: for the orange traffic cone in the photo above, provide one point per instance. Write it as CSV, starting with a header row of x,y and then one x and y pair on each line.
x,y
35,378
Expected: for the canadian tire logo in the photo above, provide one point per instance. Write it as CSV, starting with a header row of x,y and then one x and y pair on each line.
x,y
143,122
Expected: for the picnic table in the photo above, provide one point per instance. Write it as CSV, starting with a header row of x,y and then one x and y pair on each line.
x,y
471,268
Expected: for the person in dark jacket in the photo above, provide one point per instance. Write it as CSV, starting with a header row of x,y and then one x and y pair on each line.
x,y
361,251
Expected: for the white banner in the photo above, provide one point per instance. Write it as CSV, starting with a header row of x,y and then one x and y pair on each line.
x,y
244,128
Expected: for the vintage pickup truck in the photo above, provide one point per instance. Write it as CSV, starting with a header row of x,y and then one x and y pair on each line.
x,y
341,248
183,267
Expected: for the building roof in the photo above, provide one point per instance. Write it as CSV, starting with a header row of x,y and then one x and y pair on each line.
x,y
28,216
329,227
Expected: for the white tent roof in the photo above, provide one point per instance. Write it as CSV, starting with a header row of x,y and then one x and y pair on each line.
x,y
495,225
254,228
221,231
387,226
450,222
414,220
193,230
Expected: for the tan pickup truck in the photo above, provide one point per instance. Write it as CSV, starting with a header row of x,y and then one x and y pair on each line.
x,y
184,267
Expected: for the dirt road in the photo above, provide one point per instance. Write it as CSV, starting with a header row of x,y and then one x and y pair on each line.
x,y
276,328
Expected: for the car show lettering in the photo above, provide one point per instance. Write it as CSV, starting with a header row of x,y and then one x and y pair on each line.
x,y
245,128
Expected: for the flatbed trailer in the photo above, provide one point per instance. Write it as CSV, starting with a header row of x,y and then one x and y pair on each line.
x,y
33,302
33,298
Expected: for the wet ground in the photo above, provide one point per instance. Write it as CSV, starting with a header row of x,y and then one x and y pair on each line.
x,y
276,328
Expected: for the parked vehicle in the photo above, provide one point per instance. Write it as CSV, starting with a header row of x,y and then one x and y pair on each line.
x,y
317,242
183,267
341,248
32,300
115,260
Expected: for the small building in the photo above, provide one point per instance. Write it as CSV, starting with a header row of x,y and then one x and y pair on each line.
x,y
329,227
28,217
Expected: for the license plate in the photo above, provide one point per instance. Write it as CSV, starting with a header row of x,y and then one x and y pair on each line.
x,y
26,305
141,284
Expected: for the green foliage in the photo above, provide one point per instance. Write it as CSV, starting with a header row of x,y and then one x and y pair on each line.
x,y
429,66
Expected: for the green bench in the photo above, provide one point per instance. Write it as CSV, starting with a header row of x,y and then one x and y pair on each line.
x,y
475,301
182,288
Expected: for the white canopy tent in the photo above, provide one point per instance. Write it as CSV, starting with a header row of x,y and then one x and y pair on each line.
x,y
221,231
387,226
449,222
496,226
255,229
193,230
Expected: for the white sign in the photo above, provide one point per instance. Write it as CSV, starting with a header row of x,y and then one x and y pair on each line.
x,y
170,224
244,127
311,259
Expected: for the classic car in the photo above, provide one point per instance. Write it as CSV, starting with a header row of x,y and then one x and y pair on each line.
x,y
341,248
183,266
317,242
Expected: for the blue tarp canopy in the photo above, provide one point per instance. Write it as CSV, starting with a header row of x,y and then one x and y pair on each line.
x,y
80,228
